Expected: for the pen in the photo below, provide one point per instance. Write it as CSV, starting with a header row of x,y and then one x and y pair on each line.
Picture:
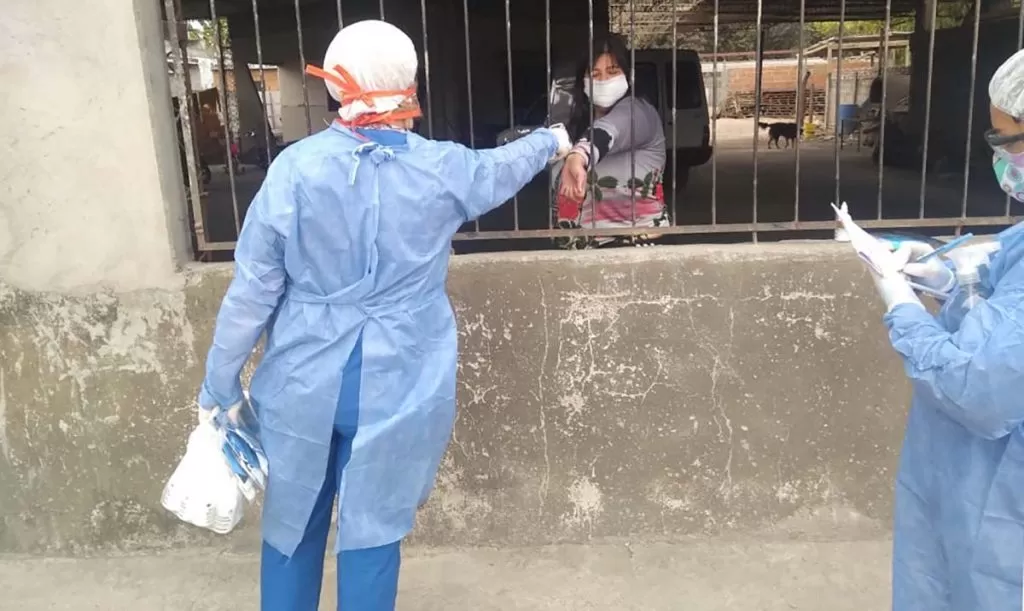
x,y
948,246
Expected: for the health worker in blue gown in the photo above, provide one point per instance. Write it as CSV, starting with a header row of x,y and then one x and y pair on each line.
x,y
342,261
959,515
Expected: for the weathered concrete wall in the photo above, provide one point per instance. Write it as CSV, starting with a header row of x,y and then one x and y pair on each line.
x,y
644,393
85,138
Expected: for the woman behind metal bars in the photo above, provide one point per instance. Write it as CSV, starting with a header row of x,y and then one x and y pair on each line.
x,y
343,260
598,185
958,537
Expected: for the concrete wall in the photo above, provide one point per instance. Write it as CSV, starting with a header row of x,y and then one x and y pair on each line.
x,y
92,186
648,393
293,103
781,75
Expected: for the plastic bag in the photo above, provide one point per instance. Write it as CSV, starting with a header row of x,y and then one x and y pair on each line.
x,y
203,489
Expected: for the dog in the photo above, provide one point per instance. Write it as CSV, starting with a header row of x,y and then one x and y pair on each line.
x,y
788,131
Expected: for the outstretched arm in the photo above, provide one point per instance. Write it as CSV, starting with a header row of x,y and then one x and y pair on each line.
x,y
496,175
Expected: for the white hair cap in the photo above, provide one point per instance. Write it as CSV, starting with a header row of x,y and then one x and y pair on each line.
x,y
379,57
1006,89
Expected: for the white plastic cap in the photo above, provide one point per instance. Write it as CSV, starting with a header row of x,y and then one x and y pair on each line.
x,y
1006,89
380,57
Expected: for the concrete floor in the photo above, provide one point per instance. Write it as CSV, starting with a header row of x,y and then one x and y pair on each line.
x,y
704,576
729,183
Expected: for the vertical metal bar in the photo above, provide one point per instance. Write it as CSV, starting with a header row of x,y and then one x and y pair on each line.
x,y
233,119
632,113
549,75
856,100
673,219
838,95
185,114
928,106
799,111
229,161
341,20
302,67
511,95
811,95
759,72
1020,27
590,99
970,106
263,78
382,10
1020,45
426,70
469,88
714,121
883,113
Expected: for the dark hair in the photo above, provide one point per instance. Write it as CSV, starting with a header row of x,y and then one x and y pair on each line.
x,y
612,44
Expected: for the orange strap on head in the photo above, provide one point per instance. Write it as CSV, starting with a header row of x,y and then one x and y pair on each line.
x,y
350,91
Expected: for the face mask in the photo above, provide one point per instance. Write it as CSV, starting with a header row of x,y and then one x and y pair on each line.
x,y
607,93
1009,173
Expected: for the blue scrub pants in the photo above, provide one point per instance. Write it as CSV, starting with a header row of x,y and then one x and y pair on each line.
x,y
367,578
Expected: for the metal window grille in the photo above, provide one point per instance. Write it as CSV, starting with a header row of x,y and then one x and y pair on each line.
x,y
914,164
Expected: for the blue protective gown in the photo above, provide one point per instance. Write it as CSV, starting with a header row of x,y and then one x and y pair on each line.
x,y
350,238
959,517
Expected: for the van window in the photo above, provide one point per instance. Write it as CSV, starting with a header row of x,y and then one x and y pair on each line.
x,y
688,85
646,79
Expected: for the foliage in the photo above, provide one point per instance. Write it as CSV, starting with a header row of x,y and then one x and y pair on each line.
x,y
204,32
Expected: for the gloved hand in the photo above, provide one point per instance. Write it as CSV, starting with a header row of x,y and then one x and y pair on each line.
x,y
233,413
932,274
208,415
205,415
892,285
564,143
894,290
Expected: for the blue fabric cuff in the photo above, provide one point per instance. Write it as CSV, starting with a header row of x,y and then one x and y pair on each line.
x,y
907,316
209,400
908,323
552,140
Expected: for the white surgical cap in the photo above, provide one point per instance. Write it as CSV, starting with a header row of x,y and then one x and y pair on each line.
x,y
1006,89
380,57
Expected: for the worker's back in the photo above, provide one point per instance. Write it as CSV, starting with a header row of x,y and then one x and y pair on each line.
x,y
376,213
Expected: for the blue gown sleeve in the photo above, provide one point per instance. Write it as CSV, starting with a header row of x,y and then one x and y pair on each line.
x,y
254,292
974,375
496,175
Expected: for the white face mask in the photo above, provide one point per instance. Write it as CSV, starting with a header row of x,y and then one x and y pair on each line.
x,y
607,93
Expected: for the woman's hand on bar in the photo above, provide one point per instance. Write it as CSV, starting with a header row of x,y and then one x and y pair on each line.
x,y
574,177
